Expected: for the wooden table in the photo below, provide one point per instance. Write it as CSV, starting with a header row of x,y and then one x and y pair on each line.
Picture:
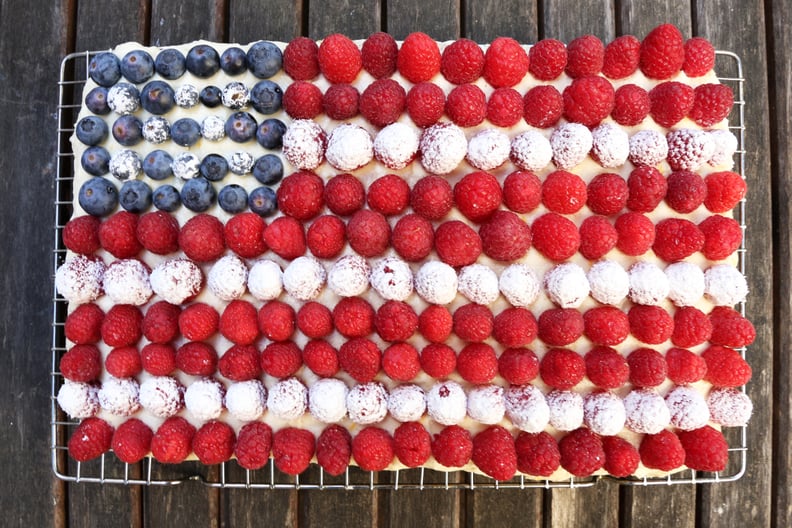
x,y
33,40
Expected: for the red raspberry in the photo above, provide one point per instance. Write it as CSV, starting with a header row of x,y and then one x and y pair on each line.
x,y
647,188
730,328
661,451
699,57
581,452
606,325
301,59
158,232
504,107
588,100
505,63
326,236
83,326
122,325
722,237
685,367
676,239
537,453
547,59
158,359
240,363
302,100
412,444
344,194
379,54
563,192
413,238
556,237
505,236
196,358
725,367
597,237
631,104
477,363
691,327
254,441
382,102
314,320
161,322
372,448
560,326
606,368
705,449
473,322
340,60
456,243
389,195
522,191
514,327
636,233
281,359
585,56
81,363
647,367
395,321
670,102
494,452
607,194
542,106
340,102
621,457
452,446
686,191
712,103
285,237
172,441
621,57
400,362
301,195
438,360
81,234
432,197
199,321
276,320
202,239
425,104
244,234
466,105
650,324
92,438
118,235
518,366
725,189
562,368
293,449
435,323
214,442
662,52
238,322
319,356
419,58
462,61
368,233
123,362
132,441
360,358
334,449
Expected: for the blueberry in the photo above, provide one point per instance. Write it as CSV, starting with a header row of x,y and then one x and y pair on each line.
x,y
211,96
203,61
128,130
268,169
232,199
104,69
214,167
135,196
262,201
137,66
264,59
241,127
270,133
266,97
233,61
96,161
91,130
166,198
170,63
98,197
157,165
157,97
198,195
185,132
96,101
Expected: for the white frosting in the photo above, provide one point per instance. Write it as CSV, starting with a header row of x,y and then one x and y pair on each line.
x,y
287,399
485,404
349,147
531,151
686,283
566,410
648,284
79,279
407,403
162,396
488,149
436,282
396,145
119,396
724,285
304,278
327,400
729,407
527,408
648,147
609,282
176,280
367,403
204,399
349,276
443,146
646,411
446,402
227,278
567,285
392,278
78,399
265,280
519,284
687,407
604,413
478,283
126,281
571,143
610,145
246,400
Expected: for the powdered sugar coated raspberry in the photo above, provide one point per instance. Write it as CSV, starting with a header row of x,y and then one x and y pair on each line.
x,y
227,278
686,283
265,280
567,285
443,147
566,409
407,403
610,145
531,151
349,147
478,283
604,413
392,278
120,396
648,147
724,285
304,144
327,400
571,143
126,281
519,284
176,280
446,402
689,149
688,408
79,279
349,276
246,400
78,399
304,278
725,143
729,407
648,284
485,404
609,282
163,396
367,403
488,149
204,399
646,411
527,408
396,145
287,399
436,282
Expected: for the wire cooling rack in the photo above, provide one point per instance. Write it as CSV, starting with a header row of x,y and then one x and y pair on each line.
x,y
107,469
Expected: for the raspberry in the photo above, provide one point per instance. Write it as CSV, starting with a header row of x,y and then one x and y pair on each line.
x,y
585,56
621,57
712,103
412,444
542,106
661,451
504,107
334,449
730,328
214,442
161,322
400,362
81,363
647,188
686,191
435,323
685,367
473,322
254,441
158,359
466,105
452,446
588,100
631,104
395,321
172,441
676,239
293,449
389,195
705,449
92,438
285,237
505,236
379,53
81,234
607,194
123,362
621,457
691,327
456,243
368,233
514,327
722,237
314,320
581,452
432,197
438,360
462,61
518,366
340,102
238,322
606,368
547,59
647,367
477,363
662,52
372,448
132,441
725,367
83,326
326,237
505,62
118,235
302,100
240,363
199,321
122,325
563,192
494,452
537,453
699,57
670,102
301,59
281,359
196,358
158,232
636,233
561,368
320,357
360,358
276,320
724,191
556,237
344,194
419,58
522,191
244,235
301,195
650,324
597,237
606,325
425,104
382,102
340,59
202,239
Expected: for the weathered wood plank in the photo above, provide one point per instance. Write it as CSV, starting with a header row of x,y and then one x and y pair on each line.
x,y
595,17
439,19
505,507
640,16
357,19
179,22
484,21
252,20
594,506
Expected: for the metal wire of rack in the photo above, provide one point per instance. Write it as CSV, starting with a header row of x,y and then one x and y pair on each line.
x,y
109,470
